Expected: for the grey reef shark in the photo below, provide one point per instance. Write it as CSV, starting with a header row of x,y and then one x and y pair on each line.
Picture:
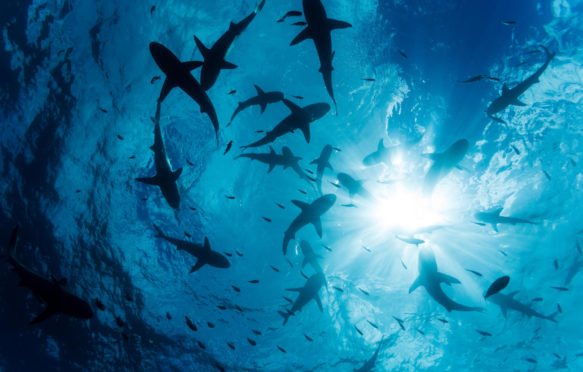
x,y
262,99
165,178
214,58
381,155
51,292
318,29
353,186
204,254
369,365
305,294
508,302
300,118
310,214
286,159
430,278
310,257
510,96
322,163
494,218
443,163
178,75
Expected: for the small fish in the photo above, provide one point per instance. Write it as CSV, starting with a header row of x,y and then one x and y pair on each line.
x,y
492,78
189,163
274,268
557,356
403,263
289,262
254,281
119,321
298,97
300,23
359,331
231,346
366,249
473,79
228,147
327,248
102,109
304,275
267,219
232,92
444,321
222,307
259,131
239,253
562,289
154,79
288,299
168,316
530,360
559,308
152,9
420,331
228,254
402,53
280,206
302,191
129,297
308,171
201,345
369,79
537,299
400,321
363,291
474,272
281,349
190,324
534,51
498,285
187,235
238,308
230,197
236,289
579,355
484,333
508,22
291,13
556,264
120,137
335,184
258,333
99,304
336,149
308,338
351,205
372,324
503,253
77,191
515,149
520,64
479,223
547,175
210,325
339,289
145,199
251,342
132,157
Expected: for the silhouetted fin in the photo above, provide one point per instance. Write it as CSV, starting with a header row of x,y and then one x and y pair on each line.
x,y
335,24
200,263
517,102
300,204
299,289
166,88
228,65
176,174
203,50
149,180
259,90
292,106
192,65
418,282
304,35
47,313
318,225
319,302
447,279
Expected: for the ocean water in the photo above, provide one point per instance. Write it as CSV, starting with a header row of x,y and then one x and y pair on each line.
x,y
78,106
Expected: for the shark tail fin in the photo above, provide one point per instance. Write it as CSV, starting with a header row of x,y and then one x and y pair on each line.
x,y
286,238
285,314
552,317
259,6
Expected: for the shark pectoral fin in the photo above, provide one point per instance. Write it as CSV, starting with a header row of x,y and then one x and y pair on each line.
x,y
192,65
228,65
505,89
300,204
415,284
334,24
271,166
306,131
166,88
149,180
517,102
495,226
318,225
203,50
319,302
47,313
315,161
328,165
259,90
200,263
299,289
447,279
304,35
263,107
176,174
292,106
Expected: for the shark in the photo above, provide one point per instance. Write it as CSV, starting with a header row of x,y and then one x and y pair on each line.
x,y
178,75
410,240
322,163
204,254
286,159
319,29
443,163
494,218
430,278
575,266
214,58
51,292
381,155
165,177
310,213
262,99
310,257
353,186
305,294
510,96
300,118
369,365
508,302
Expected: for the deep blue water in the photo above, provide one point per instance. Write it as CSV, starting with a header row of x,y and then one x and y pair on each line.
x,y
77,98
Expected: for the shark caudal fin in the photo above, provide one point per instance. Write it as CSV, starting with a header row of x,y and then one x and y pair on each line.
x,y
285,315
286,238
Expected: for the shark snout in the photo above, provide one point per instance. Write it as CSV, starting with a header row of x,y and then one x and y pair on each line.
x,y
318,110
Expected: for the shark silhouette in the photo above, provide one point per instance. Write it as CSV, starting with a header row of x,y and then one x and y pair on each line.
x,y
381,155
322,163
305,294
494,218
443,163
508,302
262,99
286,159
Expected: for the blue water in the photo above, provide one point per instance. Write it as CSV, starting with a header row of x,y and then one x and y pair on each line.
x,y
76,105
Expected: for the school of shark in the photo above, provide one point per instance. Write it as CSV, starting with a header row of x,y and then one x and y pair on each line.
x,y
309,185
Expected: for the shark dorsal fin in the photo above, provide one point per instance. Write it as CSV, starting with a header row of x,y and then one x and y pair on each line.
x,y
259,90
207,245
505,89
271,150
497,211
381,145
300,204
